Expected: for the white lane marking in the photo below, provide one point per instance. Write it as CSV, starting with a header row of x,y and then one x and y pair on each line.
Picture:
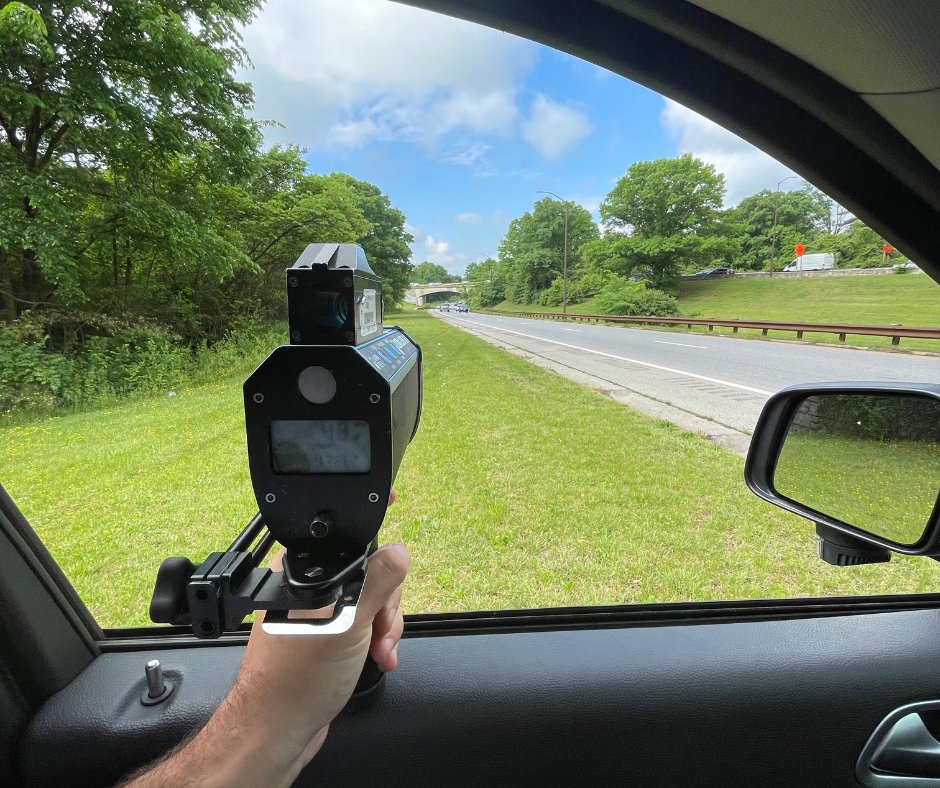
x,y
572,329
680,344
634,361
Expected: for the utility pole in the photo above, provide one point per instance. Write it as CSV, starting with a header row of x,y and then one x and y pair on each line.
x,y
773,232
564,275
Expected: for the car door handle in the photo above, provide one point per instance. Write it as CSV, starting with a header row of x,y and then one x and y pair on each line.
x,y
902,752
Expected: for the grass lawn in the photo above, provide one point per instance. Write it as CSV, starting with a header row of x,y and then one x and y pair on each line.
x,y
521,489
888,487
908,299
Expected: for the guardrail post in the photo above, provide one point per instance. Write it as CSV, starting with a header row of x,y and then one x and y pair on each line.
x,y
734,330
763,332
895,341
799,334
842,337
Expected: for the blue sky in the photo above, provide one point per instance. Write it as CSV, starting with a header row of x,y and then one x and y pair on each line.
x,y
461,125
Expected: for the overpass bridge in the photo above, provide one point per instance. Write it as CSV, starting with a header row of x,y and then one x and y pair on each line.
x,y
418,294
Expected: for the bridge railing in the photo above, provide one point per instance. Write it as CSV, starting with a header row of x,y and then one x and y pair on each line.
x,y
896,332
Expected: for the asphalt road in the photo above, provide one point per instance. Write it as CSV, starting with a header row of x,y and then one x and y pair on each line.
x,y
721,379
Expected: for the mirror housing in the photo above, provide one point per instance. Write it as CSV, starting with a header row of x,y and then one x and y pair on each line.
x,y
768,444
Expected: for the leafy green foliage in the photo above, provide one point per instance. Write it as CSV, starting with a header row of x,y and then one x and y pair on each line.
x,y
665,216
662,219
138,218
427,272
127,88
664,198
121,360
885,417
802,216
621,297
489,280
534,246
858,246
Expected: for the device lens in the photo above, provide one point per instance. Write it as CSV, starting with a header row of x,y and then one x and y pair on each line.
x,y
329,309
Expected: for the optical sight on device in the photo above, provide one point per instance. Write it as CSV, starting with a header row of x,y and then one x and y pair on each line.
x,y
328,418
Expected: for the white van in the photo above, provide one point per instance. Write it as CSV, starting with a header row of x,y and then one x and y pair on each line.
x,y
813,262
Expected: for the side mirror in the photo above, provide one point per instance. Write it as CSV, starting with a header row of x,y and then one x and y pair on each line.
x,y
861,460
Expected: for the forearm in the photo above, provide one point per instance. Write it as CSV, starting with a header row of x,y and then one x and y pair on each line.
x,y
235,748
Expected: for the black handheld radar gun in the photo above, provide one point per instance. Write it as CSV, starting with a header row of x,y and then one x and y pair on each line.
x,y
328,418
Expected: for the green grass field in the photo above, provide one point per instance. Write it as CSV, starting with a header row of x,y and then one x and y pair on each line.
x,y
908,299
522,489
887,487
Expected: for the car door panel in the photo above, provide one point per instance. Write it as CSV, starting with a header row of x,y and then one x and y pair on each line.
x,y
785,702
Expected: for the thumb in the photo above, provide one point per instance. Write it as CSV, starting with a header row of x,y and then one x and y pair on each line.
x,y
387,569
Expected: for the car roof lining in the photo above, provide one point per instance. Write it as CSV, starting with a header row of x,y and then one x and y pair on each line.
x,y
806,118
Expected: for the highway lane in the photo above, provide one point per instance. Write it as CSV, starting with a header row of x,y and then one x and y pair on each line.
x,y
722,379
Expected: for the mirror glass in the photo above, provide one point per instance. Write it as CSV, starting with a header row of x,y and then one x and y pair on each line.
x,y
872,461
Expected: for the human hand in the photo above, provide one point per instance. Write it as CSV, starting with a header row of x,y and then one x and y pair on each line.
x,y
289,689
297,684
294,685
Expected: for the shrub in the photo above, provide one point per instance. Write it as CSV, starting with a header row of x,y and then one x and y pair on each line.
x,y
585,286
884,417
32,377
590,283
104,367
553,296
621,297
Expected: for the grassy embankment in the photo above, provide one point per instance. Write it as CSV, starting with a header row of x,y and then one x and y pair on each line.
x,y
908,299
521,489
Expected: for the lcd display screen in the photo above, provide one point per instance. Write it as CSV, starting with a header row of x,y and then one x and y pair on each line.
x,y
321,447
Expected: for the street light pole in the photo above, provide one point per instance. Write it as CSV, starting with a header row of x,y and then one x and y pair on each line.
x,y
564,274
773,232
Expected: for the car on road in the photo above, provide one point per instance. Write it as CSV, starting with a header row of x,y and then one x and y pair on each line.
x,y
445,307
714,273
462,307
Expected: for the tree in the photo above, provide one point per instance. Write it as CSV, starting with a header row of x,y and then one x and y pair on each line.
x,y
664,198
858,246
533,247
427,272
279,211
124,88
802,215
386,242
665,216
489,280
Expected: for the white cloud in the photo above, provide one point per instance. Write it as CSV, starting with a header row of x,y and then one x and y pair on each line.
x,y
746,169
466,153
591,202
347,72
468,218
555,129
437,251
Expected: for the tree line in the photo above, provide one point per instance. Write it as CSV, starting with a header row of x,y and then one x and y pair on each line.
x,y
139,212
662,219
135,191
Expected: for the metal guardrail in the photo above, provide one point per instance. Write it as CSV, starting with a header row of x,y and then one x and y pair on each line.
x,y
842,329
